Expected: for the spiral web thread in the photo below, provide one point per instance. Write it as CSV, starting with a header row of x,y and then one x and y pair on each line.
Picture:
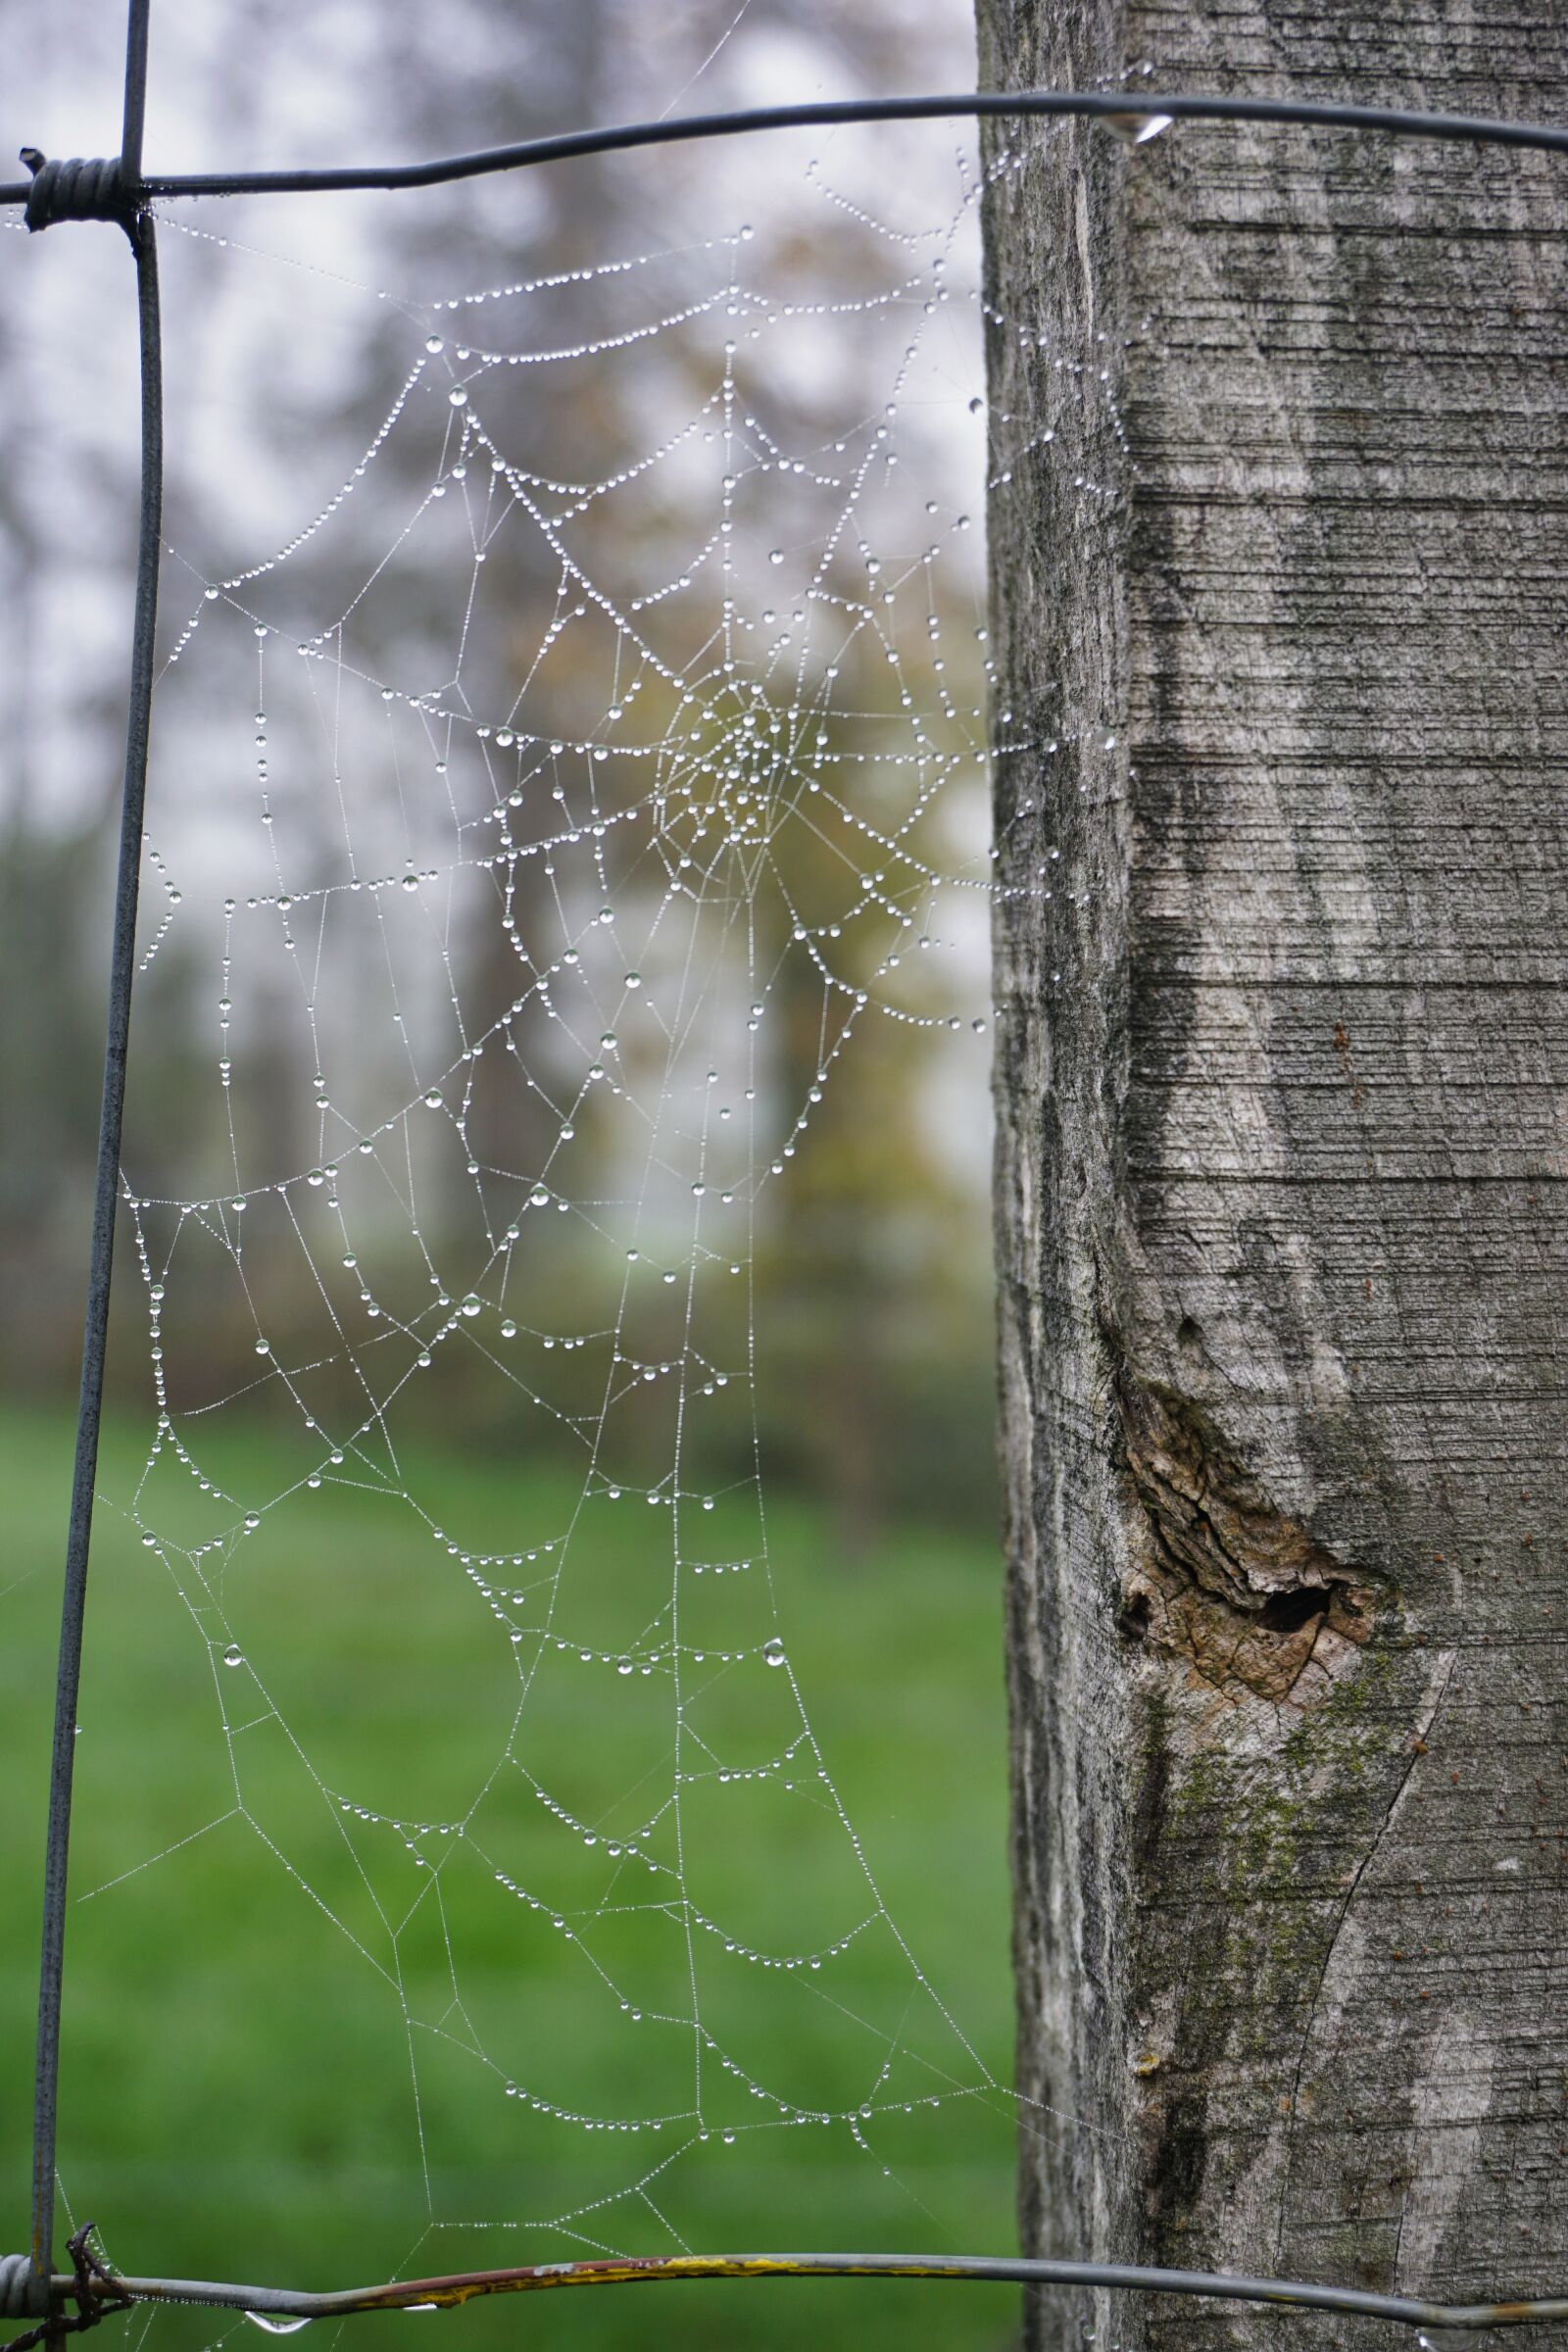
x,y
572,904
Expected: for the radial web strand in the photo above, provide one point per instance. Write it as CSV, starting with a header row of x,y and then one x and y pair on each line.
x,y
545,845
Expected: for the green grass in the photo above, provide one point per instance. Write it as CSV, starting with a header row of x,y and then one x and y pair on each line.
x,y
249,2015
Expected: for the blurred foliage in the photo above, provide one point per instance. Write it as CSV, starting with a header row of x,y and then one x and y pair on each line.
x,y
872,1284
232,2113
238,2098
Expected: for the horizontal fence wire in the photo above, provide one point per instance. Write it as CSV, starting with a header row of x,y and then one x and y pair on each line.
x,y
120,192
1120,110
438,2294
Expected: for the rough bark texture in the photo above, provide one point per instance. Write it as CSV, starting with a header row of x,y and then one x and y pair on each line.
x,y
1282,1096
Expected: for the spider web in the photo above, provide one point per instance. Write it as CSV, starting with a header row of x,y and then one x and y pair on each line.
x,y
544,846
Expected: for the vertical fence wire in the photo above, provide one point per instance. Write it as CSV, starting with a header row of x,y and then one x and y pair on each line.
x,y
123,956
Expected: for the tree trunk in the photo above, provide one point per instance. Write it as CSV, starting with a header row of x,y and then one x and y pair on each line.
x,y
1283,1133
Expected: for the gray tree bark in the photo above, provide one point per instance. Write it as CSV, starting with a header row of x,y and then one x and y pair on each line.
x,y
1282,1134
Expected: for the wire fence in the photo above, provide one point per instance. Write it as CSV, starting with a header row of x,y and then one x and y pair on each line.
x,y
116,191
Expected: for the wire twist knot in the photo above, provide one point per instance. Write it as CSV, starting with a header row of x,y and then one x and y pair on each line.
x,y
73,189
18,2299
25,2297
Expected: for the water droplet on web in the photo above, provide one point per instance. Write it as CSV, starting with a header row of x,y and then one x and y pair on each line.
x,y
276,2326
775,555
233,1655
434,344
458,397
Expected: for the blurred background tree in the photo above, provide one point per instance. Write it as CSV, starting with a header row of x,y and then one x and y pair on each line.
x,y
876,1268
264,2122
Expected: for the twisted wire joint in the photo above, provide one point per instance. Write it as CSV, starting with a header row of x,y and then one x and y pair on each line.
x,y
18,2298
73,190
99,2294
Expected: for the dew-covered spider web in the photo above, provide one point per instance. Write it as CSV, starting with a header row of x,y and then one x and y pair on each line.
x,y
547,822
